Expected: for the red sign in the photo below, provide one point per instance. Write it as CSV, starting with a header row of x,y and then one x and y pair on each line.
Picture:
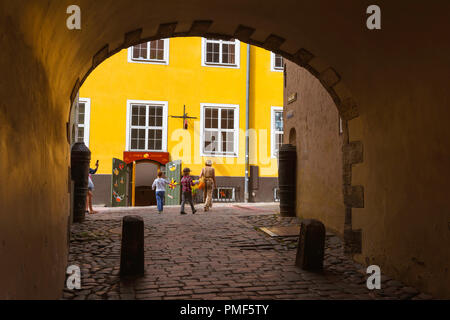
x,y
161,157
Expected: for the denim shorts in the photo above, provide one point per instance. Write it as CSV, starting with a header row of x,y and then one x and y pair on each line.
x,y
90,185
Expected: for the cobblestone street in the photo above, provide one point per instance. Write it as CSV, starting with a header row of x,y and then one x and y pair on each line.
x,y
216,255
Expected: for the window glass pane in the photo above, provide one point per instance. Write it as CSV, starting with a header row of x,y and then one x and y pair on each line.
x,y
152,116
228,52
227,142
141,144
160,55
230,119
138,139
278,61
153,55
155,116
159,121
81,118
142,115
278,142
138,115
224,119
140,51
215,118
81,113
225,53
208,113
211,141
279,121
211,118
80,134
216,53
81,107
155,139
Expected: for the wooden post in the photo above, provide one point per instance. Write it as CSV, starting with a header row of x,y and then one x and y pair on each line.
x,y
311,247
132,251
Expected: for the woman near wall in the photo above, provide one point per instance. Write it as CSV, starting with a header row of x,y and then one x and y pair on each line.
x,y
209,174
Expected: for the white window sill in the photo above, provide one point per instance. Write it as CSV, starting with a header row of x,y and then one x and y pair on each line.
x,y
218,65
147,151
277,70
219,155
158,62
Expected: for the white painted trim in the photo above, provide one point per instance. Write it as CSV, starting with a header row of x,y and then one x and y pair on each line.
x,y
272,130
218,65
272,64
157,62
236,129
233,199
165,105
87,119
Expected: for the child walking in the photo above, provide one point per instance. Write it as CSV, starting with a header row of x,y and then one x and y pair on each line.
x,y
160,185
186,184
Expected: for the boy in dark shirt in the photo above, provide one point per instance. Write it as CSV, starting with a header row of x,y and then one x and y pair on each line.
x,y
186,185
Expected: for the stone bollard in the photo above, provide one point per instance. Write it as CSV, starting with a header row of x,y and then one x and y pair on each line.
x,y
311,246
80,159
132,251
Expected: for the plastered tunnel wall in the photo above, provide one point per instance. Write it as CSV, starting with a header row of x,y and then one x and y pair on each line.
x,y
390,86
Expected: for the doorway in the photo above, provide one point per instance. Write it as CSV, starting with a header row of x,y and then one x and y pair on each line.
x,y
145,174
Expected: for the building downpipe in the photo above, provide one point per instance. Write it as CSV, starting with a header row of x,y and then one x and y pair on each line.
x,y
247,128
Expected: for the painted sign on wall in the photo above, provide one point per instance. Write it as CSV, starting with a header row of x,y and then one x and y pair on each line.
x,y
119,184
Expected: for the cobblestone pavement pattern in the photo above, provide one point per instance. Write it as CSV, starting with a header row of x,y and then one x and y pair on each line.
x,y
215,255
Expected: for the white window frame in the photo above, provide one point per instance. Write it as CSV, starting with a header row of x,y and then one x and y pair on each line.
x,y
87,120
272,64
237,55
233,199
203,106
273,132
152,61
165,105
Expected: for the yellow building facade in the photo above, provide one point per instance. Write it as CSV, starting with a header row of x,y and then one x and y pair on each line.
x,y
131,108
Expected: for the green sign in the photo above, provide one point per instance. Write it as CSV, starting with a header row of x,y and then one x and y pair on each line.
x,y
119,184
173,190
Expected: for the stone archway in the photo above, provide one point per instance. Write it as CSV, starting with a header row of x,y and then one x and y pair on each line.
x,y
44,64
328,77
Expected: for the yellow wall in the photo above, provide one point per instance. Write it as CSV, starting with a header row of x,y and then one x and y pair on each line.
x,y
184,81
